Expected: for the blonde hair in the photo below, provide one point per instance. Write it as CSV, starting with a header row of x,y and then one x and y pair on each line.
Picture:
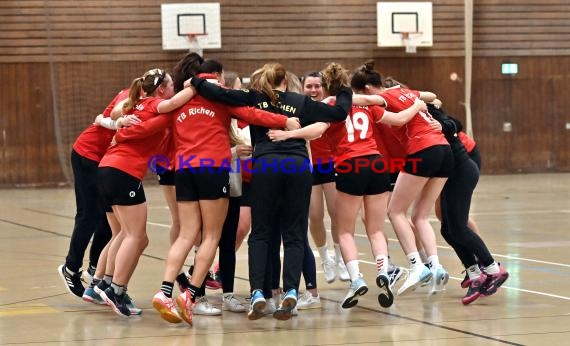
x,y
145,85
293,83
267,78
334,77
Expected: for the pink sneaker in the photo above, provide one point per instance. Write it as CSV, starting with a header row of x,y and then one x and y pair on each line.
x,y
494,281
474,290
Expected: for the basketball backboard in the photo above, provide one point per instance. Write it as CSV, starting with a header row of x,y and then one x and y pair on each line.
x,y
190,24
404,23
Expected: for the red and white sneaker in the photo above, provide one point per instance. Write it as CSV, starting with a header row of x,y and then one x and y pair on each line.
x,y
165,306
185,305
474,290
494,281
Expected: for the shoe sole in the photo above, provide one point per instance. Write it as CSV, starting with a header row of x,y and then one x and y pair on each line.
x,y
257,311
351,302
465,283
309,306
187,317
414,286
471,299
284,312
385,299
91,300
165,313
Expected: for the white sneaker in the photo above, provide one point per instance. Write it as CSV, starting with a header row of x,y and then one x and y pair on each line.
x,y
203,307
229,302
165,306
357,288
270,307
417,276
307,301
329,269
342,272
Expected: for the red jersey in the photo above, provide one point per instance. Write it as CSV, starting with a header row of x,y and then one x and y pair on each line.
x,y
202,126
138,143
388,144
467,141
355,136
167,147
94,140
321,151
417,134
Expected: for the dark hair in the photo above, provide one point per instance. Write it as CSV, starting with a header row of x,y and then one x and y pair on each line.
x,y
148,83
315,74
210,66
364,75
390,82
185,68
334,77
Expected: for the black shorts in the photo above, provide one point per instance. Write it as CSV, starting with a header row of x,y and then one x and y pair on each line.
x,y
166,177
245,199
435,161
119,188
362,176
323,173
393,178
208,184
475,155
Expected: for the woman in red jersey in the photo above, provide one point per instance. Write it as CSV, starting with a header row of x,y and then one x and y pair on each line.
x,y
90,219
361,176
122,169
202,188
429,162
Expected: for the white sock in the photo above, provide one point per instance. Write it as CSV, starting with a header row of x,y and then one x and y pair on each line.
x,y
337,253
382,265
323,252
423,255
433,262
353,270
492,269
414,260
473,272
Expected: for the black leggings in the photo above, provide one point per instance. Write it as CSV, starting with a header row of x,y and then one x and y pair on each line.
x,y
280,197
227,254
90,218
455,205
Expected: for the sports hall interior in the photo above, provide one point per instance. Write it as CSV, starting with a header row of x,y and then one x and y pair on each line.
x,y
62,61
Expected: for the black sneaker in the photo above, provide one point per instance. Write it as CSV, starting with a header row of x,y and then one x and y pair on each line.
x,y
117,302
101,287
72,281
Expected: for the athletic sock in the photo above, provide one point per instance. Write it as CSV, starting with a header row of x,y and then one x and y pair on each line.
x,y
166,288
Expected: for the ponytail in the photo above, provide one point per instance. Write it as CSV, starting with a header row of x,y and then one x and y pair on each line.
x,y
134,95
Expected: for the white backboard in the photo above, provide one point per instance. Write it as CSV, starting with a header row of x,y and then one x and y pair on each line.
x,y
178,20
394,18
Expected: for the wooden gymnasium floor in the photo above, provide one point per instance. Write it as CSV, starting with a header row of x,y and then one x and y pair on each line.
x,y
524,219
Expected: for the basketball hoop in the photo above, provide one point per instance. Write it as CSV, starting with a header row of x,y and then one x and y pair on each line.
x,y
409,41
194,40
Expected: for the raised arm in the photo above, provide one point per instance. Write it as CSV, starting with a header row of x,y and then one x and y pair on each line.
x,y
262,118
317,111
216,93
402,117
368,100
427,96
176,101
309,132
144,129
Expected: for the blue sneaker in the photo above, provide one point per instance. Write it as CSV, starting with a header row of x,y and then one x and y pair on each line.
x,y
257,306
417,276
440,277
288,303
357,288
385,298
92,297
